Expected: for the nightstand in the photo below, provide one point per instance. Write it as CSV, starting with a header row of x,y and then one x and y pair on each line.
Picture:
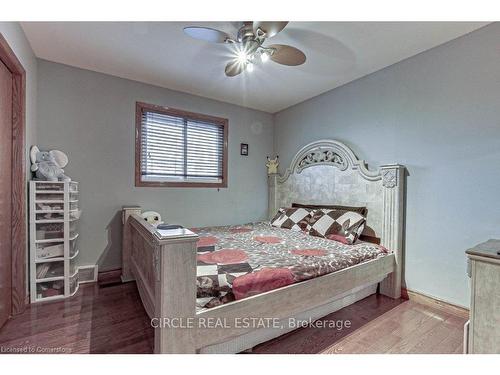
x,y
484,325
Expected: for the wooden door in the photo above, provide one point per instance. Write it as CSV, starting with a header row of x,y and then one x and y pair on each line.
x,y
5,193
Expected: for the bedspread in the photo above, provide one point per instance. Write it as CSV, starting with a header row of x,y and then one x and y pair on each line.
x,y
235,262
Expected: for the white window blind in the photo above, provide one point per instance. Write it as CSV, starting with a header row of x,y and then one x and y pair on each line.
x,y
176,148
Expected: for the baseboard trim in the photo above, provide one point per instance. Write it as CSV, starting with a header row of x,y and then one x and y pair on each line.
x,y
437,303
109,277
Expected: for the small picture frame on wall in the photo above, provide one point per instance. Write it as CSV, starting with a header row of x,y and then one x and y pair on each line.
x,y
244,149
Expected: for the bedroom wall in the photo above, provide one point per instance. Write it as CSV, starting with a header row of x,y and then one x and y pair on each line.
x,y
14,35
438,113
91,116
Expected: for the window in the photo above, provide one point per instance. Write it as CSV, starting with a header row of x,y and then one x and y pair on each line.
x,y
179,149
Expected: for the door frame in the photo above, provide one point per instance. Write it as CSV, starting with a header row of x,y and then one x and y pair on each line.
x,y
19,187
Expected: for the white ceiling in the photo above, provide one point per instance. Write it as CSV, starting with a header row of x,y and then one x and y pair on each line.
x,y
159,53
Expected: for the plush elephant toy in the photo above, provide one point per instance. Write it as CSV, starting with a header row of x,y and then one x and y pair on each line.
x,y
48,165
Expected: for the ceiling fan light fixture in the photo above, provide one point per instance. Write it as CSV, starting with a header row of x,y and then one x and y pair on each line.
x,y
242,57
247,48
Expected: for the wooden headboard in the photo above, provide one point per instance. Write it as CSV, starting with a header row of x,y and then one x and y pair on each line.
x,y
328,172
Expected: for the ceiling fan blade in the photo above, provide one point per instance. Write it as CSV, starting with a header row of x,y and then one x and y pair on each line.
x,y
287,55
207,34
233,68
270,28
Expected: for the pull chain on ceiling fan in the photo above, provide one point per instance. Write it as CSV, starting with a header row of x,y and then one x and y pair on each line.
x,y
249,45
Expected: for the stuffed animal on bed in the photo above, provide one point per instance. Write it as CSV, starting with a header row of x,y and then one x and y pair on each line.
x,y
48,165
152,217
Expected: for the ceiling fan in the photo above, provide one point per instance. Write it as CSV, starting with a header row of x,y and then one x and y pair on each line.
x,y
248,45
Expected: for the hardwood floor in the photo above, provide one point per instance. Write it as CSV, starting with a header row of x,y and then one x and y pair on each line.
x,y
111,319
379,325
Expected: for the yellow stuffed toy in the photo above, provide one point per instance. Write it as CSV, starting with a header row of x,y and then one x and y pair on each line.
x,y
272,165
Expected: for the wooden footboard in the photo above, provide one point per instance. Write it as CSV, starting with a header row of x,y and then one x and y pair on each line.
x,y
142,265
165,272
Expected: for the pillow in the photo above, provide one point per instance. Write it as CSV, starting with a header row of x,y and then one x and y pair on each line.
x,y
291,218
335,223
360,210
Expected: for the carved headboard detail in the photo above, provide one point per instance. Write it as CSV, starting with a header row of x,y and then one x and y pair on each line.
x,y
331,153
328,172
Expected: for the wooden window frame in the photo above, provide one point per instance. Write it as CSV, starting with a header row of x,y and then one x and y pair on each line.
x,y
139,108
18,229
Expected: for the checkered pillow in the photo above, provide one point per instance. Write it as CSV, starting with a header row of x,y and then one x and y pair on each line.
x,y
337,222
291,218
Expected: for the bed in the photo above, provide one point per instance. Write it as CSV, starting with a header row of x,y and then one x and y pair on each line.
x,y
227,289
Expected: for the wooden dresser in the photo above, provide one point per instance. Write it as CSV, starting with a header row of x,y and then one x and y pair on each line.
x,y
484,326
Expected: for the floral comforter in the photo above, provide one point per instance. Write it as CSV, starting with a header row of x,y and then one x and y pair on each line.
x,y
236,262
